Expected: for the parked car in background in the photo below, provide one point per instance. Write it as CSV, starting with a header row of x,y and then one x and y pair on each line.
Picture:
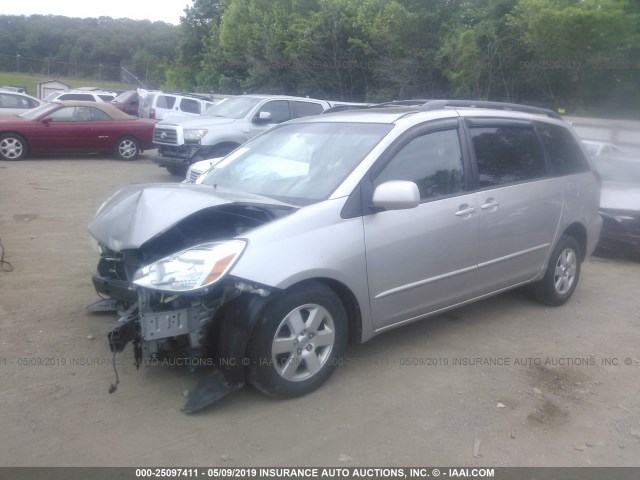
x,y
160,105
128,102
224,127
81,95
197,169
11,88
74,127
14,103
339,227
619,205
596,149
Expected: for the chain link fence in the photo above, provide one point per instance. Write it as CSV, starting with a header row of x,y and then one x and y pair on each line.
x,y
68,69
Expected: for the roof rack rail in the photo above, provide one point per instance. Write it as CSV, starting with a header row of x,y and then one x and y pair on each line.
x,y
440,104
401,103
199,96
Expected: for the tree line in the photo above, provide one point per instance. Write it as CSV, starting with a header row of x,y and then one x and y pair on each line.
x,y
86,48
579,55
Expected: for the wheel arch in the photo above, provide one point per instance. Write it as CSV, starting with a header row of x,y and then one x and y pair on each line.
x,y
579,232
20,135
17,134
349,302
226,144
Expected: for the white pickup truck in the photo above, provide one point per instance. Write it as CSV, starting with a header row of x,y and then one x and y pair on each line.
x,y
225,126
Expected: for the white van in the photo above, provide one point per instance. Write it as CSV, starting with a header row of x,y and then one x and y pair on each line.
x,y
159,105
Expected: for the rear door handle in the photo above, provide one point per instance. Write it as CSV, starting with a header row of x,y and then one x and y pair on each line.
x,y
465,211
491,203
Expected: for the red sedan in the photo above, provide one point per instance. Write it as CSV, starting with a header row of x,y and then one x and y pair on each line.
x,y
75,127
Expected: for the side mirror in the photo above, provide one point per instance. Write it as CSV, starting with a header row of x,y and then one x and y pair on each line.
x,y
396,195
263,117
46,120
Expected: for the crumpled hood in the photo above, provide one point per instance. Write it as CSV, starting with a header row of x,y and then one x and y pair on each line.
x,y
138,213
620,196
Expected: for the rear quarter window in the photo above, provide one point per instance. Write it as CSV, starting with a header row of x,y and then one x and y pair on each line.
x,y
306,109
564,154
165,101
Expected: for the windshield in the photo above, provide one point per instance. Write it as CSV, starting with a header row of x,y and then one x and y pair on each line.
x,y
236,107
39,111
616,170
299,164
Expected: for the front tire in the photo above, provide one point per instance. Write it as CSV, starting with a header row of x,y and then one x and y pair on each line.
x,y
298,341
13,147
127,148
563,272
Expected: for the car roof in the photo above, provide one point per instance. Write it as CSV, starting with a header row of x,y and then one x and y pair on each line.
x,y
108,108
387,113
279,97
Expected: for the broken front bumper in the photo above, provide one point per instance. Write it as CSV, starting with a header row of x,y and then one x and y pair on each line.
x,y
216,326
119,290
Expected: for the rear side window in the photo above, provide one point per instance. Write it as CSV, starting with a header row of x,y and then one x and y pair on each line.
x,y
565,155
98,115
9,101
306,109
507,154
165,101
106,98
189,105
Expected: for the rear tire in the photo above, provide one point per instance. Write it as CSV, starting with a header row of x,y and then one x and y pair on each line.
x,y
563,272
298,341
127,148
13,147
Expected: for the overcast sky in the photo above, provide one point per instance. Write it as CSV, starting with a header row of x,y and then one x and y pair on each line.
x,y
154,10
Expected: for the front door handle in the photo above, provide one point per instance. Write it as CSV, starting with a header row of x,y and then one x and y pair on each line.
x,y
465,211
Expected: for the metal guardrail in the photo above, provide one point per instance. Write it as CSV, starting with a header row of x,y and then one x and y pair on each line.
x,y
624,133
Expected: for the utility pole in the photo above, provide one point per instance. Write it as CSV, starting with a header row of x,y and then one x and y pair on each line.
x,y
18,61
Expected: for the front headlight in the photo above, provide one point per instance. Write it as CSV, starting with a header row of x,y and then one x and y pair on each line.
x,y
192,135
191,269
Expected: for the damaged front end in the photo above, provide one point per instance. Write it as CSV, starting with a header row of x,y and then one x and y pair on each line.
x,y
207,329
168,276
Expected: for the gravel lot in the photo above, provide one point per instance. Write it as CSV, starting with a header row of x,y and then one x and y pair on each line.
x,y
504,382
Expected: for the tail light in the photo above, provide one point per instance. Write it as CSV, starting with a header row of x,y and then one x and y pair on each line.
x,y
152,114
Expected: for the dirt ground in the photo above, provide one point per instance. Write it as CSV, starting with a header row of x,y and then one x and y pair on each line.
x,y
504,382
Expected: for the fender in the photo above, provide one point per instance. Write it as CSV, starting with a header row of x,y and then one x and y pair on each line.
x,y
236,322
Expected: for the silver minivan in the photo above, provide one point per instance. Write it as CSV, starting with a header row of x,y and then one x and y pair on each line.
x,y
336,228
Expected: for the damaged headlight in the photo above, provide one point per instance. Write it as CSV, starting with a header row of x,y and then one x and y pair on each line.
x,y
191,269
195,134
